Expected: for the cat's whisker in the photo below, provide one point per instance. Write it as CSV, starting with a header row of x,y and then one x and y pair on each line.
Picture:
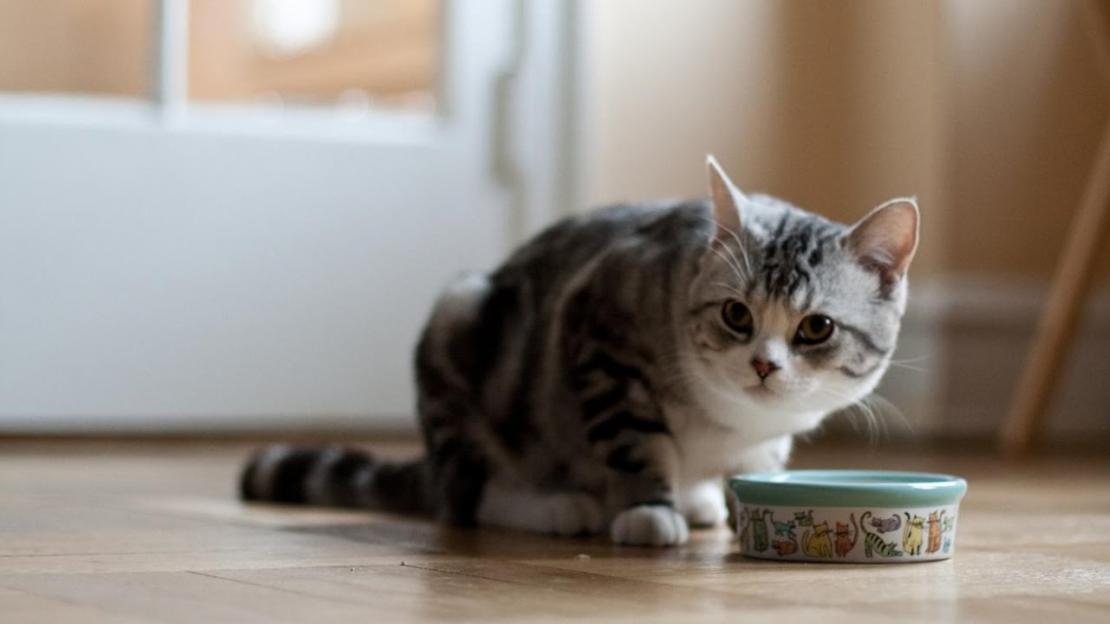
x,y
876,427
916,369
739,243
735,268
892,410
920,358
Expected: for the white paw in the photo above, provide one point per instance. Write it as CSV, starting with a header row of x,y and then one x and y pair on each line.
x,y
649,525
703,504
573,514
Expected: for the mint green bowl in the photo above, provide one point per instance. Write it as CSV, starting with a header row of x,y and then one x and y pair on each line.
x,y
858,516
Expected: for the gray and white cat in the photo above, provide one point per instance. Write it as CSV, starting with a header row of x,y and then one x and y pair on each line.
x,y
620,363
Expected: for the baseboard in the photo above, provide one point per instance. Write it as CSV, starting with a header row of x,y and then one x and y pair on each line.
x,y
969,336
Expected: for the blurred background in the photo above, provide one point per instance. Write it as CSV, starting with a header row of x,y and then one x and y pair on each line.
x,y
233,215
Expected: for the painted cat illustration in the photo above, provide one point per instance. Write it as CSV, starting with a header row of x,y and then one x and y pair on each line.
x,y
913,534
844,544
804,518
935,521
785,542
754,533
872,543
785,547
947,545
948,523
783,529
885,525
818,543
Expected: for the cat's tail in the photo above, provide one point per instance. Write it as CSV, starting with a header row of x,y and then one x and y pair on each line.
x,y
863,518
335,476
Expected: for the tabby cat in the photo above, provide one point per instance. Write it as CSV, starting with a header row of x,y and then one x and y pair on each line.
x,y
872,543
616,366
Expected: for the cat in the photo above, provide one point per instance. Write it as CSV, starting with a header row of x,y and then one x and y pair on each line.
x,y
872,543
949,523
885,525
819,542
785,542
912,534
618,364
845,540
935,522
804,518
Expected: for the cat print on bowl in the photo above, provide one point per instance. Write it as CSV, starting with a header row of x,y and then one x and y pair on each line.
x,y
845,539
754,533
935,523
833,534
885,525
818,542
873,544
786,542
911,534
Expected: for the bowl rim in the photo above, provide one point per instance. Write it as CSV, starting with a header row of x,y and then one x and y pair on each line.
x,y
848,488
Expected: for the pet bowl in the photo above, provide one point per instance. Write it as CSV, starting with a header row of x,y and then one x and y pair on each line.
x,y
856,516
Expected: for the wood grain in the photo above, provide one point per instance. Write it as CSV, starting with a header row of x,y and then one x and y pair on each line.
x,y
151,532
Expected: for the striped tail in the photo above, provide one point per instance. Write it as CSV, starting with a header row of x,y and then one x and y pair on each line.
x,y
335,476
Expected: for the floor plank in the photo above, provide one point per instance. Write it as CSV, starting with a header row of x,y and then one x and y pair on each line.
x,y
96,532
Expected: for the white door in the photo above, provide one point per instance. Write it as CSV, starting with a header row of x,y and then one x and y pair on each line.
x,y
170,264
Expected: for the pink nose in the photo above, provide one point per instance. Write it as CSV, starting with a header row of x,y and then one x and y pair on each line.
x,y
763,368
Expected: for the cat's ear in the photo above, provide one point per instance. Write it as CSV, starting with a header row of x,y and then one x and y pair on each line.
x,y
886,239
727,201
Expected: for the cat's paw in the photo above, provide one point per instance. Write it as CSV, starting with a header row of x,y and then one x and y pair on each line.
x,y
703,504
573,514
649,525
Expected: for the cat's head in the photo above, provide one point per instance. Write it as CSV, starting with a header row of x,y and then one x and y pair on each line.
x,y
841,528
793,316
821,528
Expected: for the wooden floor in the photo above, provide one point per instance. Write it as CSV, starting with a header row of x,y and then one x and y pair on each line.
x,y
130,532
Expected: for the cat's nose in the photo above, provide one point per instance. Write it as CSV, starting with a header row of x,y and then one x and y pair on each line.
x,y
763,368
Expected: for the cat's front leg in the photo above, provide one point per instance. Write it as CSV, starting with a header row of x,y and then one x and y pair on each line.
x,y
641,486
703,503
628,433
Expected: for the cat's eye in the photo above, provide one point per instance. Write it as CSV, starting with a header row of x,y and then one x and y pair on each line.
x,y
814,329
737,316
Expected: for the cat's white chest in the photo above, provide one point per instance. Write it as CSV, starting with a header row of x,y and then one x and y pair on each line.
x,y
709,452
708,449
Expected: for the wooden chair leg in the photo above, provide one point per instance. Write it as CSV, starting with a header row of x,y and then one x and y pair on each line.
x,y
1060,318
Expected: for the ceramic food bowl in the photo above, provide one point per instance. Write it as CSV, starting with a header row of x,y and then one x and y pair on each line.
x,y
855,516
